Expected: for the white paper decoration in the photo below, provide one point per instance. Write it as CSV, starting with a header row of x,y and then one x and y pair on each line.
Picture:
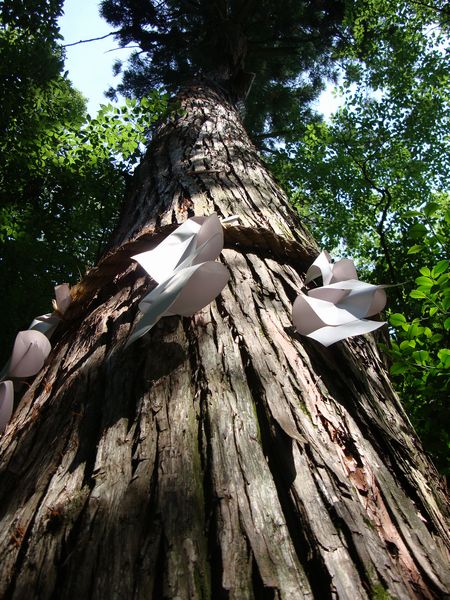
x,y
31,348
6,403
338,309
47,323
183,265
63,298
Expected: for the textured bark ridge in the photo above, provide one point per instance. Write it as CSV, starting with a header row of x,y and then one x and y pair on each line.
x,y
220,456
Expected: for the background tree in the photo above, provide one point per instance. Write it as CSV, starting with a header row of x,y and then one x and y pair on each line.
x,y
63,174
221,455
373,184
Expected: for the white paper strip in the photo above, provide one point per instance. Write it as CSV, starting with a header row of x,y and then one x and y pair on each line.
x,y
197,240
343,269
339,308
188,291
330,335
362,299
330,272
6,403
46,324
206,282
63,298
327,323
183,264
31,348
321,267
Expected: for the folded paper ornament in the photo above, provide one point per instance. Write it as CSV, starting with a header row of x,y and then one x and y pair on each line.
x,y
31,348
63,298
183,265
338,309
197,240
330,272
47,323
6,403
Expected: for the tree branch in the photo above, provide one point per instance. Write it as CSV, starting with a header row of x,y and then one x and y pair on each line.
x,y
124,48
383,241
102,37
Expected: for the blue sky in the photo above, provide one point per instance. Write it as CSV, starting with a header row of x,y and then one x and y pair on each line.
x,y
90,65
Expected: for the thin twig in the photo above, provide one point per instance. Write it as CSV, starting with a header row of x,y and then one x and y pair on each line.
x,y
121,48
91,39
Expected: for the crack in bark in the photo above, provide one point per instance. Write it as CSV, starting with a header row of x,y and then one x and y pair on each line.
x,y
276,444
204,437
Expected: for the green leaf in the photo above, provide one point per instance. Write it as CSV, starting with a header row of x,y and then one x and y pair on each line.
x,y
425,271
398,369
397,319
433,311
436,337
421,356
415,249
417,231
444,278
447,323
417,294
413,331
424,281
407,344
444,357
439,268
431,208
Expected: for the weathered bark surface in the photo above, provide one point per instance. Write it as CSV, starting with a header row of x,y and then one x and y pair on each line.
x,y
220,456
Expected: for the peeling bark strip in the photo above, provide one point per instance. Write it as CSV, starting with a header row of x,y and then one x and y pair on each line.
x,y
220,456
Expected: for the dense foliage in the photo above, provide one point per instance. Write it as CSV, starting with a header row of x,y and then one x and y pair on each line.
x,y
63,174
421,359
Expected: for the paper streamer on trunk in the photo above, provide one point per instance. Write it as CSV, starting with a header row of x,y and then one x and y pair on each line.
x,y
31,348
47,323
338,309
6,403
183,265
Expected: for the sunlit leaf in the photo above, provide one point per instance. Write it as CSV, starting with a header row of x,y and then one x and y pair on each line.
x,y
417,294
397,319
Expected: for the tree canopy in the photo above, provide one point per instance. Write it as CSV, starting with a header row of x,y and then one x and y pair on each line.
x,y
286,47
63,174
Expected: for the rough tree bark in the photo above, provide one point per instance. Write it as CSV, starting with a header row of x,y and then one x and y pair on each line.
x,y
220,456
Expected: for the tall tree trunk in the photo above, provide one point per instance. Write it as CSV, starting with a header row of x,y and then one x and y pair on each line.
x,y
220,456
